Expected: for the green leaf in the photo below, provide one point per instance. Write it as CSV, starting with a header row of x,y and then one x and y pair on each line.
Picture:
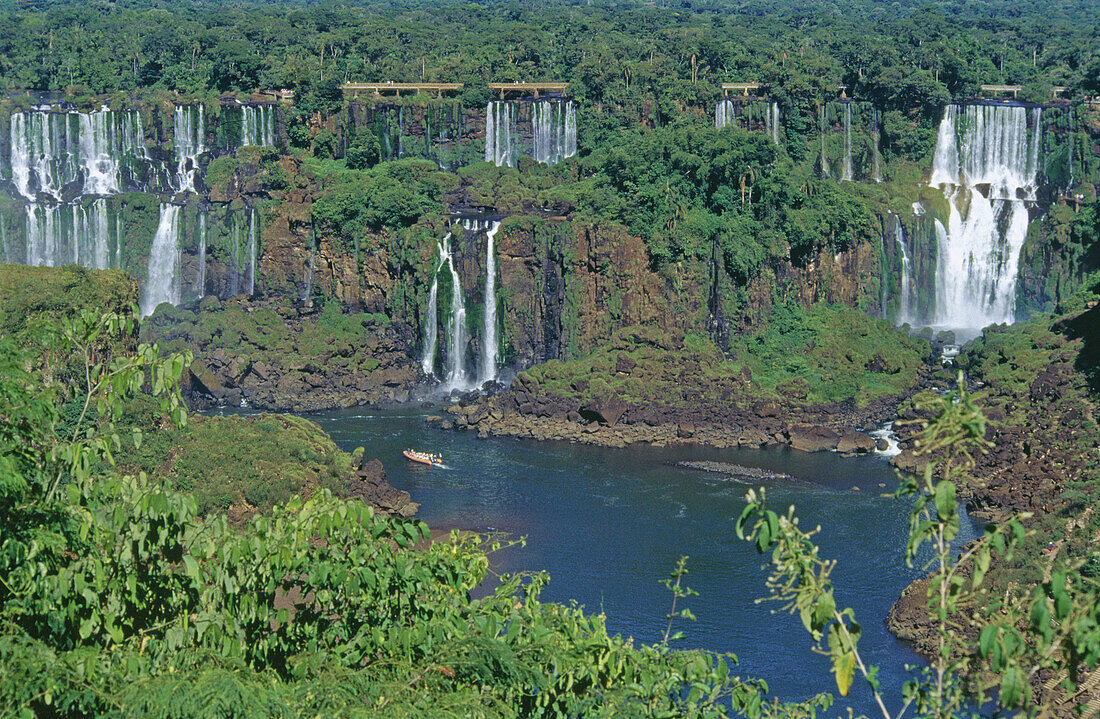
x,y
844,668
1013,687
945,500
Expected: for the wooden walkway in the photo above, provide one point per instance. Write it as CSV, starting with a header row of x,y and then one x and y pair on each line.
x,y
529,88
378,88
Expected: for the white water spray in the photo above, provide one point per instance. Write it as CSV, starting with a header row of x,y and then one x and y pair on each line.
x,y
499,146
187,137
986,163
489,337
431,321
160,284
846,173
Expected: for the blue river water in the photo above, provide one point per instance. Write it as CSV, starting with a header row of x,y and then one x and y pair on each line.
x,y
609,524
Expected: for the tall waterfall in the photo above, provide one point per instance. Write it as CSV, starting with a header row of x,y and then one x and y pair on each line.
x,y
67,235
846,173
905,301
431,321
160,284
51,150
773,122
235,287
188,138
554,127
200,290
489,338
258,125
500,146
252,241
723,113
986,163
456,330
824,157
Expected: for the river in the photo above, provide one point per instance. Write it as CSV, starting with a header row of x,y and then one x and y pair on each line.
x,y
609,524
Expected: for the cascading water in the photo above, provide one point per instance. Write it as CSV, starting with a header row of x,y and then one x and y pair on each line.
x,y
554,128
236,284
824,157
187,137
258,125
431,320
456,332
723,113
252,252
773,125
846,172
51,150
905,301
200,289
67,234
100,167
489,338
499,122
160,284
986,163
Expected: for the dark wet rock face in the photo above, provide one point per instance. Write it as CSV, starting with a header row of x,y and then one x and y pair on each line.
x,y
369,485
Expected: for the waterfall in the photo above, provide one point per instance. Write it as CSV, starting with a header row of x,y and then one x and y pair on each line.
x,y
489,338
200,291
160,284
773,117
235,288
499,147
456,336
876,157
569,139
431,322
456,330
187,137
67,234
252,252
258,125
554,131
723,113
51,150
846,175
824,158
99,163
1072,145
905,301
986,163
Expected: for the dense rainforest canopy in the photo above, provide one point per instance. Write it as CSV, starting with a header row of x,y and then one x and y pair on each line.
x,y
899,54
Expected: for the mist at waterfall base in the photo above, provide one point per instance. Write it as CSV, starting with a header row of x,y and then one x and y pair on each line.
x,y
457,376
609,524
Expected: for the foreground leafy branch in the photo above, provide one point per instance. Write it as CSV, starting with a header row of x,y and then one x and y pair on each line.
x,y
1055,629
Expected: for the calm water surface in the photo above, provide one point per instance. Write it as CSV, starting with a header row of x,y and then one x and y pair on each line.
x,y
609,524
